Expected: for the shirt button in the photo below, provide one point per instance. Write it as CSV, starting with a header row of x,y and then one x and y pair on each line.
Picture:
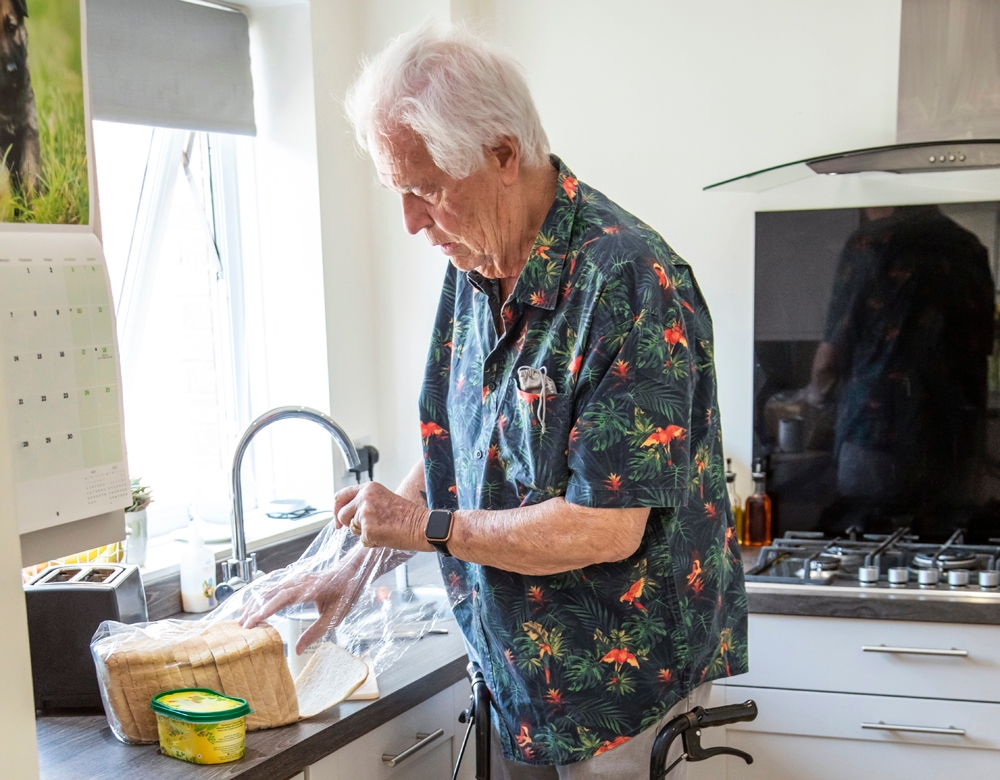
x,y
492,386
479,454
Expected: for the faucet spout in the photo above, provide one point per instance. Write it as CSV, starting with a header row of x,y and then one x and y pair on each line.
x,y
242,568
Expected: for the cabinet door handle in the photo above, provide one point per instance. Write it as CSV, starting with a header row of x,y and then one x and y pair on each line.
x,y
880,726
915,651
423,740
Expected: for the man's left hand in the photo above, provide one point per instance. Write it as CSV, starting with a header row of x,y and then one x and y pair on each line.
x,y
381,518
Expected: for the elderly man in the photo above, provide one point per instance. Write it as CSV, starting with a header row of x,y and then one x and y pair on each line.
x,y
572,478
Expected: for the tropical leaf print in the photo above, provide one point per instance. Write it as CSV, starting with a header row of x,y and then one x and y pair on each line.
x,y
581,661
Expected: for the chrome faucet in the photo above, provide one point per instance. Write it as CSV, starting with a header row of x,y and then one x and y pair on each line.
x,y
241,568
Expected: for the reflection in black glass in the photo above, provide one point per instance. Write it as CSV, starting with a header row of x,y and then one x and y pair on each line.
x,y
885,420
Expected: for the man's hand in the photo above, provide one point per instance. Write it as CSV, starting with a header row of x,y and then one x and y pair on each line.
x,y
334,593
386,519
381,518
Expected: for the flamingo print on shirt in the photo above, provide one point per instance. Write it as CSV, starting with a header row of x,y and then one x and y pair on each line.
x,y
582,661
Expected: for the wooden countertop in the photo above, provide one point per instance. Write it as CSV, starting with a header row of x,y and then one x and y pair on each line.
x,y
82,747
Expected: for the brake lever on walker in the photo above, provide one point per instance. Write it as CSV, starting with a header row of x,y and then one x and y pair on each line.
x,y
688,727
691,739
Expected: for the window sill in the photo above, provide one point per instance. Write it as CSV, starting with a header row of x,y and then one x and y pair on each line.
x,y
164,553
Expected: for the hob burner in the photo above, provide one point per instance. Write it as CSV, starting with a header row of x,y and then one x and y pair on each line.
x,y
825,562
945,561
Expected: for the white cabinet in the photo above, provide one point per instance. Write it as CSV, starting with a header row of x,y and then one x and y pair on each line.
x,y
940,660
837,696
816,735
363,758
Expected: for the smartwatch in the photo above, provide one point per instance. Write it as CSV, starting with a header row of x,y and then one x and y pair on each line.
x,y
438,530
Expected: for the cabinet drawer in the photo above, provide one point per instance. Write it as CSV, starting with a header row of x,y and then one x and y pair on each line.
x,y
362,759
959,724
834,654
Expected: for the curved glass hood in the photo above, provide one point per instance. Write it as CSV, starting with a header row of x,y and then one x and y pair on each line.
x,y
898,158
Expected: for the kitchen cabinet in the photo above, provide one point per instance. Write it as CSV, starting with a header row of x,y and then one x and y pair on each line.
x,y
808,734
940,660
363,758
900,699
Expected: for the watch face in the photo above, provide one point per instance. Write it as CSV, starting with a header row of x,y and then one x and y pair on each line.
x,y
439,525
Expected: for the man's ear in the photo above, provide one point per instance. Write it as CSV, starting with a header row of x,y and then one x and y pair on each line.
x,y
508,157
21,6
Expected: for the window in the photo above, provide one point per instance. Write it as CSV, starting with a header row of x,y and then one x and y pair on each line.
x,y
175,305
220,317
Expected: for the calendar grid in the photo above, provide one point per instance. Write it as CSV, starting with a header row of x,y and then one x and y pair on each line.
x,y
61,381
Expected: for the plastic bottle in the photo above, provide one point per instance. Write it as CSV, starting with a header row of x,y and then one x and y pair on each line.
x,y
757,518
197,573
734,500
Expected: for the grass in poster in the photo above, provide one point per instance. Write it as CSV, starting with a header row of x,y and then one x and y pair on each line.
x,y
54,59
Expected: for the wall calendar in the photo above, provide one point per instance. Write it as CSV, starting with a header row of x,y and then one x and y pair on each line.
x,y
61,379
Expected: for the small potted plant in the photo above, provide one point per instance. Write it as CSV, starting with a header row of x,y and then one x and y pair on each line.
x,y
136,527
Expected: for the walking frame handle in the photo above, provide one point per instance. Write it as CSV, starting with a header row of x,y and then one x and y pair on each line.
x,y
688,727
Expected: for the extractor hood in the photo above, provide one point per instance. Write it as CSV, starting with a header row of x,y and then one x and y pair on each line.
x,y
948,115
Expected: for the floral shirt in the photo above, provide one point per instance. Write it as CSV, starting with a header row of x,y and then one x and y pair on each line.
x,y
582,661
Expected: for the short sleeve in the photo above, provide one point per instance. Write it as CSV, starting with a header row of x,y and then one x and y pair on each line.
x,y
629,444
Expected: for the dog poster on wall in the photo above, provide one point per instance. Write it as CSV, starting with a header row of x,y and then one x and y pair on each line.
x,y
43,123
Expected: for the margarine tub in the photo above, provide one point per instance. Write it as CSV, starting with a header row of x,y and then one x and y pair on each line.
x,y
200,725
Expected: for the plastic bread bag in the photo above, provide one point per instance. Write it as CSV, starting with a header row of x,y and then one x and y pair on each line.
x,y
341,603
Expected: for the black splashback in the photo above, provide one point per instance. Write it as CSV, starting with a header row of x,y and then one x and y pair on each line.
x,y
877,378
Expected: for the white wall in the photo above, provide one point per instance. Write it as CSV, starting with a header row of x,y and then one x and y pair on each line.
x,y
653,102
648,101
381,284
290,351
408,276
344,192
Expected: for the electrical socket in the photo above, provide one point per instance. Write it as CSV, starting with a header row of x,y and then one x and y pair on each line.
x,y
367,453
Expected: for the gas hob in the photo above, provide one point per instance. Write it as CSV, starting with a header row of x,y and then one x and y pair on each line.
x,y
881,565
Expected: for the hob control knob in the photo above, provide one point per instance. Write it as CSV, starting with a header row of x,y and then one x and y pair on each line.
x,y
898,577
989,579
928,578
958,578
868,575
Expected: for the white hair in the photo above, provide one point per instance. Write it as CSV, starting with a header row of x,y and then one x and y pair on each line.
x,y
458,93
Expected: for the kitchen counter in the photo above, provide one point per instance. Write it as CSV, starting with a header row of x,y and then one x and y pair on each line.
x,y
82,747
881,603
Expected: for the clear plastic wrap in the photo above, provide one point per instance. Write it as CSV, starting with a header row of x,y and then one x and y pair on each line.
x,y
335,593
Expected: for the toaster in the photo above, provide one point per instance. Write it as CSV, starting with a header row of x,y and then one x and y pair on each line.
x,y
65,605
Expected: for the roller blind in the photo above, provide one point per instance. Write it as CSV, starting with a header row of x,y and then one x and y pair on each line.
x,y
170,63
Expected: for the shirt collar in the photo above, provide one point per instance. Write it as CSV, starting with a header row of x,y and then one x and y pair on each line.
x,y
541,278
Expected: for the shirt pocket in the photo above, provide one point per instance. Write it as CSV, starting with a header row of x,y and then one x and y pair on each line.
x,y
536,439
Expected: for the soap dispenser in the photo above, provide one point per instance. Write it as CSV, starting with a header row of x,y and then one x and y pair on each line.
x,y
197,573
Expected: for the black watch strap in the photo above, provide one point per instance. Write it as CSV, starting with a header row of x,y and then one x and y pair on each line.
x,y
438,530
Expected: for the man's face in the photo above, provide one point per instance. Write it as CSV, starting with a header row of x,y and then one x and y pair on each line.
x,y
461,216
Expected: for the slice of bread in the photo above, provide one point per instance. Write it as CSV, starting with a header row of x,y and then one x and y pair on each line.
x,y
331,675
369,691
